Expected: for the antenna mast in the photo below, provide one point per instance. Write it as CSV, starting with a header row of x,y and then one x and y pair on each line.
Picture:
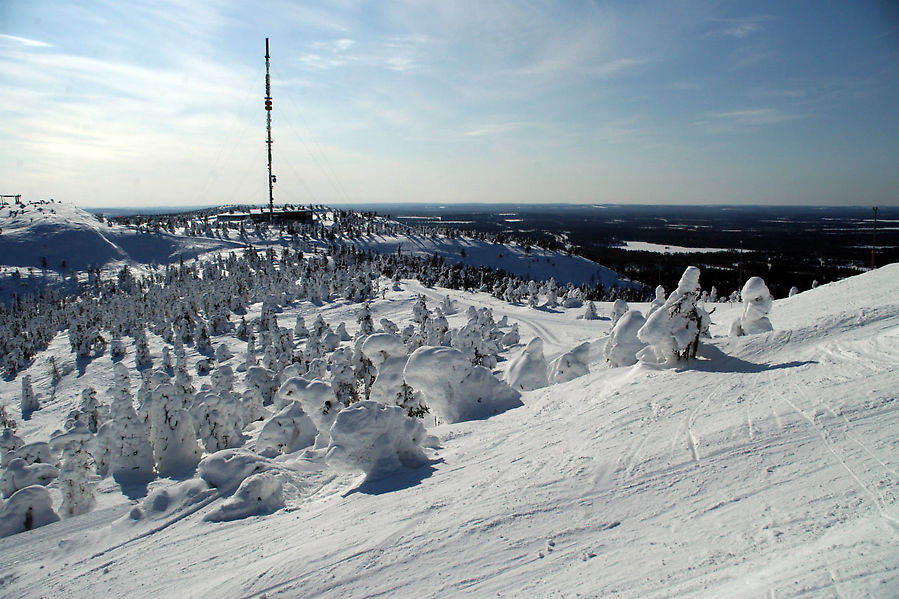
x,y
268,128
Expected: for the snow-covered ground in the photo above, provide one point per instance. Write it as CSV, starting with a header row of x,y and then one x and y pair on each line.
x,y
769,466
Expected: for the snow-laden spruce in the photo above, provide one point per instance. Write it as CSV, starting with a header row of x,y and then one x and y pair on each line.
x,y
387,354
75,472
29,402
623,345
757,302
287,431
19,474
619,309
672,332
317,400
570,365
527,371
28,508
376,439
175,448
454,389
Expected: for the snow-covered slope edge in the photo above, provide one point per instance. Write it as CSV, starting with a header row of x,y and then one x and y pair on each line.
x,y
769,466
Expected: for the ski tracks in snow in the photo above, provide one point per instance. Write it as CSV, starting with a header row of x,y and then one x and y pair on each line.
x,y
873,477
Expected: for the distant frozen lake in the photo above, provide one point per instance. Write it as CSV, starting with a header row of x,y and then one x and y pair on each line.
x,y
645,246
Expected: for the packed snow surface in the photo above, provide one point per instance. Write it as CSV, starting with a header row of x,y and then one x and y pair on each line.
x,y
767,466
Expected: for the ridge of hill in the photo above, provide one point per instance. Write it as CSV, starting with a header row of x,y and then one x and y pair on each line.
x,y
51,240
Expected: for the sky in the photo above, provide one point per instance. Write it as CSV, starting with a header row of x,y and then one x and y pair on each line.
x,y
160,103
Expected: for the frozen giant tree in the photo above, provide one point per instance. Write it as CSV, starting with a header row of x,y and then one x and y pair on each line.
x,y
623,344
74,473
376,439
570,365
527,371
29,401
175,448
757,301
453,388
26,509
619,308
672,332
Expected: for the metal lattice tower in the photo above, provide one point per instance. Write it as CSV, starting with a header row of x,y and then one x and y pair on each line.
x,y
268,128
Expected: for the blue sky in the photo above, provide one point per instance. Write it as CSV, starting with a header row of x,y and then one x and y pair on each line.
x,y
112,103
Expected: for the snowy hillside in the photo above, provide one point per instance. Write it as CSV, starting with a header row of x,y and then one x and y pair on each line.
x,y
767,466
534,263
64,238
42,243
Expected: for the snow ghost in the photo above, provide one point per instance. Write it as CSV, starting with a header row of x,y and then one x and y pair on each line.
x,y
757,301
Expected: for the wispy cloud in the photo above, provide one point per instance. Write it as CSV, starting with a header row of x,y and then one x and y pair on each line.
x,y
395,53
739,28
24,41
490,129
731,121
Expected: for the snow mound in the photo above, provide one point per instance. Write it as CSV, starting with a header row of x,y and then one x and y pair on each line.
x,y
376,439
227,469
180,498
454,389
257,495
27,509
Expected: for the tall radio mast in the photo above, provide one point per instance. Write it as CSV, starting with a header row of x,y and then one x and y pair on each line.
x,y
268,128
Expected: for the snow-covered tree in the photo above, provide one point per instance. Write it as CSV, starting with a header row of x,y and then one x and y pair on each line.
x,y
287,431
94,412
570,365
299,329
74,473
672,332
623,344
175,448
619,308
757,302
20,474
512,337
343,380
29,402
9,443
453,388
317,400
590,311
376,439
142,358
420,310
527,371
28,508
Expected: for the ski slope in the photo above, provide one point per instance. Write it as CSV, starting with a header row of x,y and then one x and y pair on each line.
x,y
770,466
